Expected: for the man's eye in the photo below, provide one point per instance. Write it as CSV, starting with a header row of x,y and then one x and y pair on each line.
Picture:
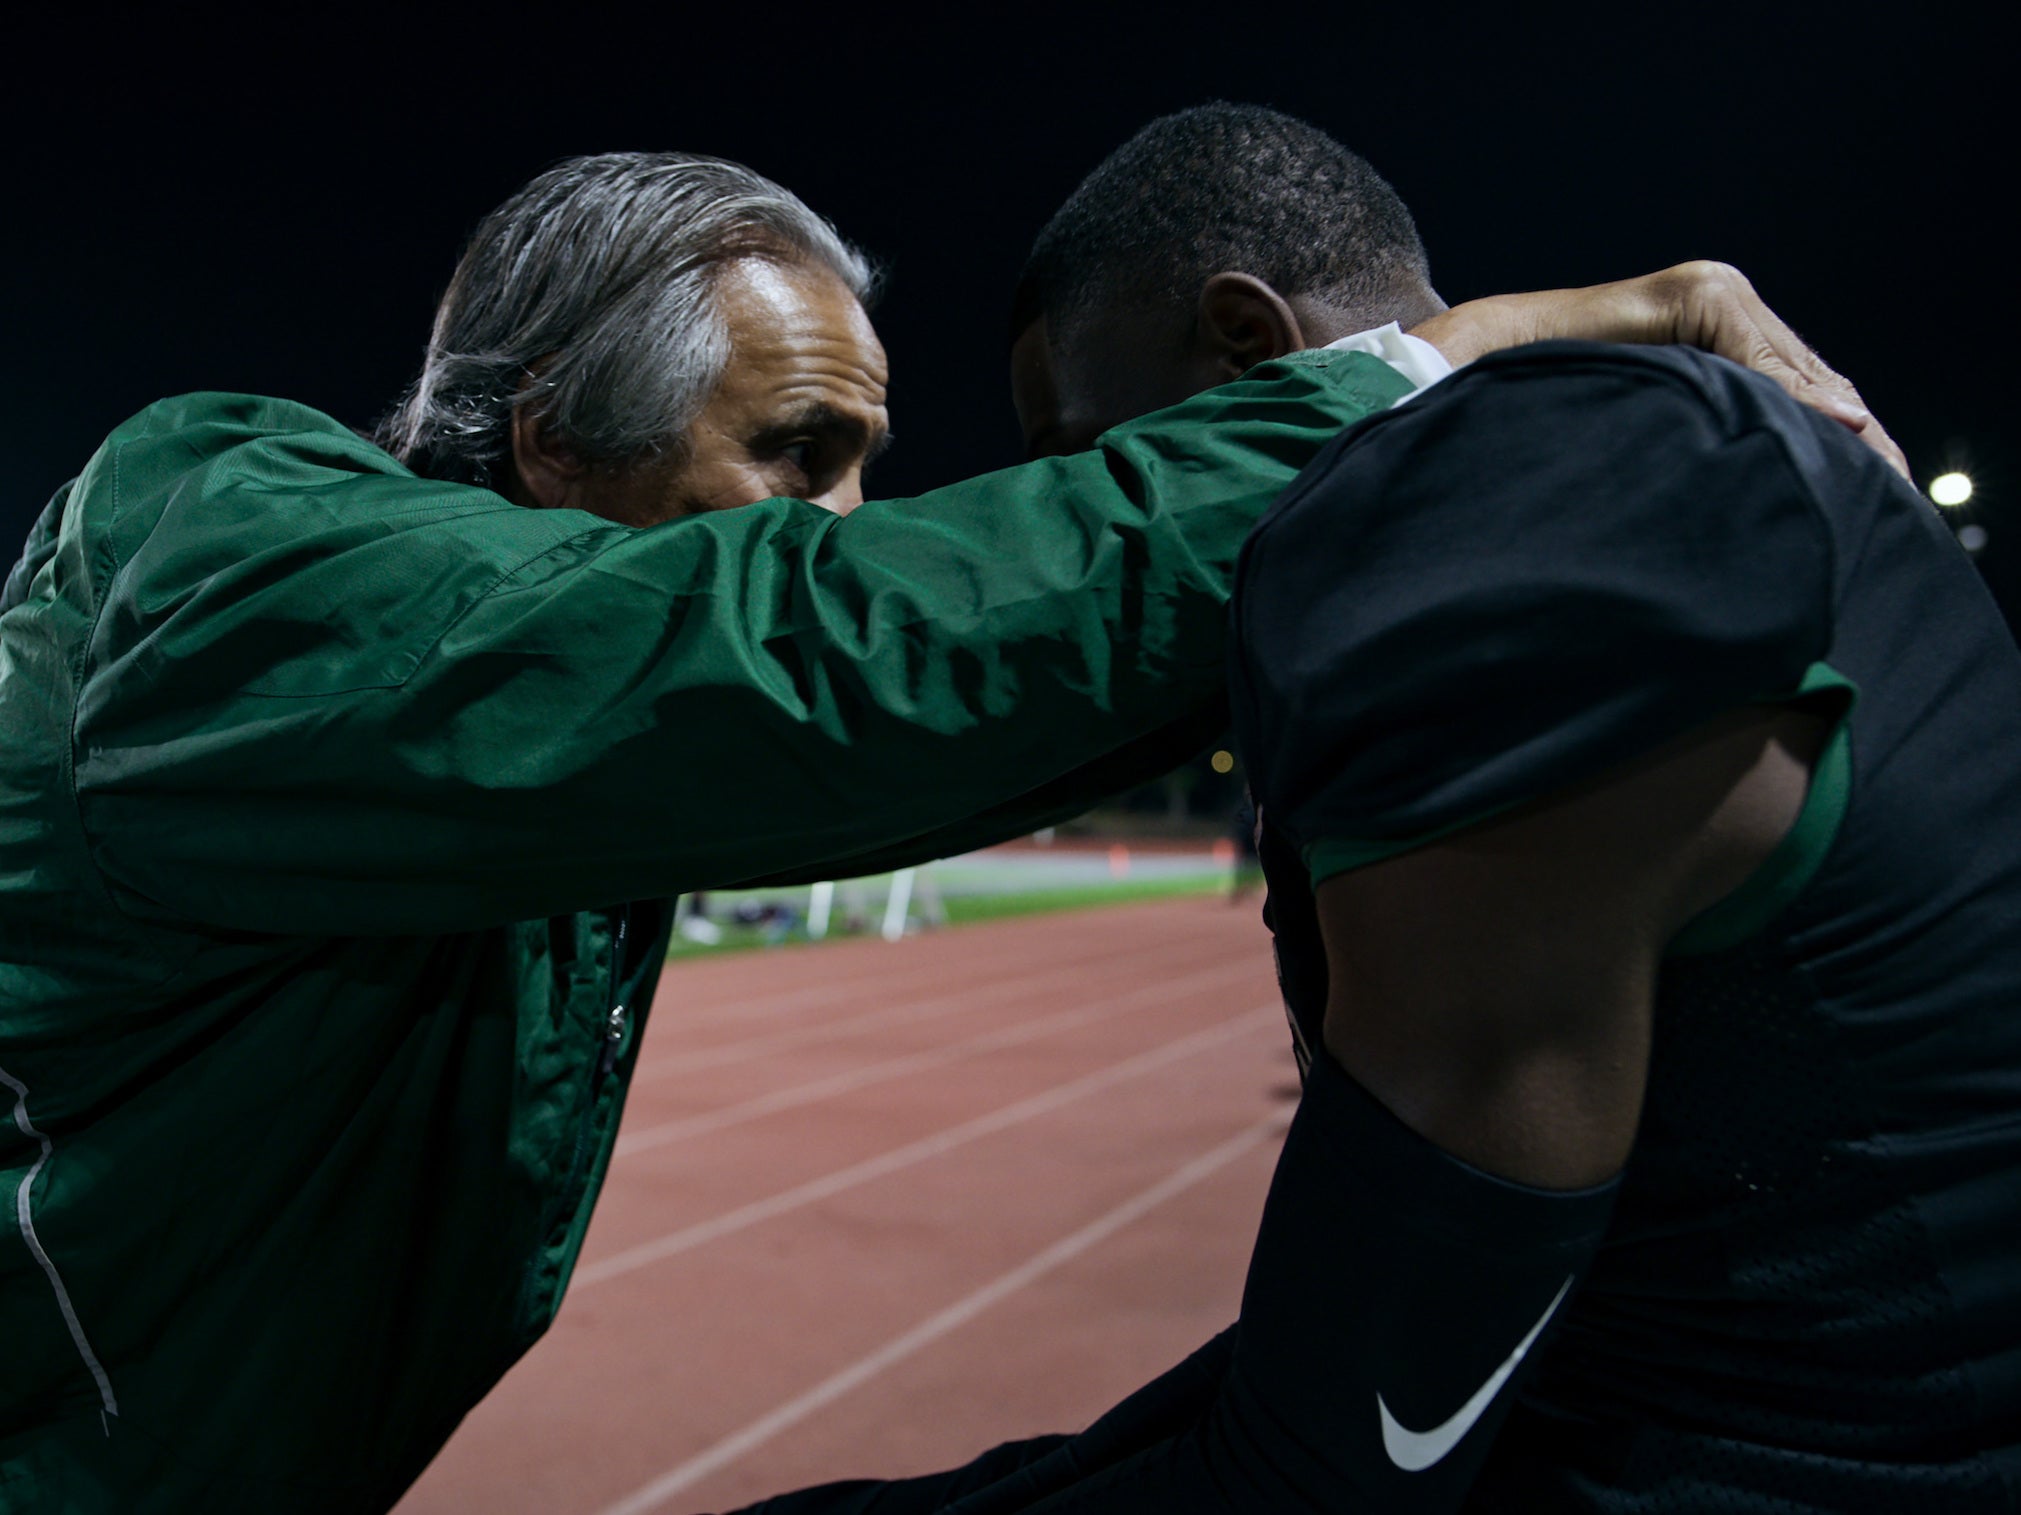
x,y
799,454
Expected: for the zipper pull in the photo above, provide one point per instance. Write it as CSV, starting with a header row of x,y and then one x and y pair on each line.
x,y
613,1037
614,1023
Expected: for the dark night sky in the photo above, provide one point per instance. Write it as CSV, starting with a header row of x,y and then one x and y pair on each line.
x,y
200,200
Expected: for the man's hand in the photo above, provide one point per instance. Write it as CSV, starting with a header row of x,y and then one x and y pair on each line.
x,y
1699,304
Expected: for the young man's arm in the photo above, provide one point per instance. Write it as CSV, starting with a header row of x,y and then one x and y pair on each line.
x,y
1493,990
1558,703
1451,1167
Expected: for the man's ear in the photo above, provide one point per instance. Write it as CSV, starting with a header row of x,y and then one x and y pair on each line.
x,y
549,474
1241,321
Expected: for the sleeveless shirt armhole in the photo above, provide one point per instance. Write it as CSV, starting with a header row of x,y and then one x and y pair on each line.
x,y
1768,891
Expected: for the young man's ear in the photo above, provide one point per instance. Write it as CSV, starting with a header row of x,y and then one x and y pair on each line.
x,y
547,471
1241,321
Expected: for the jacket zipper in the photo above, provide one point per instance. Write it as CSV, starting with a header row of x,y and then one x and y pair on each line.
x,y
571,1194
607,1058
615,1013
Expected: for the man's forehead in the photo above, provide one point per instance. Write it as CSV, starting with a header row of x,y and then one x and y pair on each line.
x,y
1072,381
798,335
1034,392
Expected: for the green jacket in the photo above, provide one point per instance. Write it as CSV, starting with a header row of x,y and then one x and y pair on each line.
x,y
318,784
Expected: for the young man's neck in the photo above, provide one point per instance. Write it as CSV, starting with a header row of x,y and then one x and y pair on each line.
x,y
1322,322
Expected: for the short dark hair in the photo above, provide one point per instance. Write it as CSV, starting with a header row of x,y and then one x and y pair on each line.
x,y
1222,187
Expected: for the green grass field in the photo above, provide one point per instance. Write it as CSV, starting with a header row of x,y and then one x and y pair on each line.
x,y
963,908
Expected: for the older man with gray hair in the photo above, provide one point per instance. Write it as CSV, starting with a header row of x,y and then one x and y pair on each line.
x,y
581,357
329,768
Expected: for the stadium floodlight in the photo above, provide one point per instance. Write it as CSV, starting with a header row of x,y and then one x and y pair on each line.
x,y
1951,489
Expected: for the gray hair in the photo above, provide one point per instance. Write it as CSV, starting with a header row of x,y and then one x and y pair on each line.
x,y
605,267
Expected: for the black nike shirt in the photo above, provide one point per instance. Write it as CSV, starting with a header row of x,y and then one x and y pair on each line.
x,y
1809,1297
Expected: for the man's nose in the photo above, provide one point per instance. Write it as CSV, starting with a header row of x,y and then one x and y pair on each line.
x,y
845,495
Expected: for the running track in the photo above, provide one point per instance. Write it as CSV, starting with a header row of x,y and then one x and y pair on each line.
x,y
876,1207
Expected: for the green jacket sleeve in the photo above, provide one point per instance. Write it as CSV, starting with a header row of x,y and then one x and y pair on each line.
x,y
322,698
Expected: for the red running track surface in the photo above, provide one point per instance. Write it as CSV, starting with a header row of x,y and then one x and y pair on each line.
x,y
877,1207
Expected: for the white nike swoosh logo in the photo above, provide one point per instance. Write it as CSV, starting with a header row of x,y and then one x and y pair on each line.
x,y
1414,1451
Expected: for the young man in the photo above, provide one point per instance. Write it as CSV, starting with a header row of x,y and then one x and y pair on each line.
x,y
1636,760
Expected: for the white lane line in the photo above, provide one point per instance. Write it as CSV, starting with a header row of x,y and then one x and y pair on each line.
x,y
944,1002
703,1011
24,1213
745,1216
756,1108
889,980
735,1446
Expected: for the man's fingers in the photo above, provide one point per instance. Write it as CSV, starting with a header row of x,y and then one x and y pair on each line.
x,y
1741,326
1876,436
1703,304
